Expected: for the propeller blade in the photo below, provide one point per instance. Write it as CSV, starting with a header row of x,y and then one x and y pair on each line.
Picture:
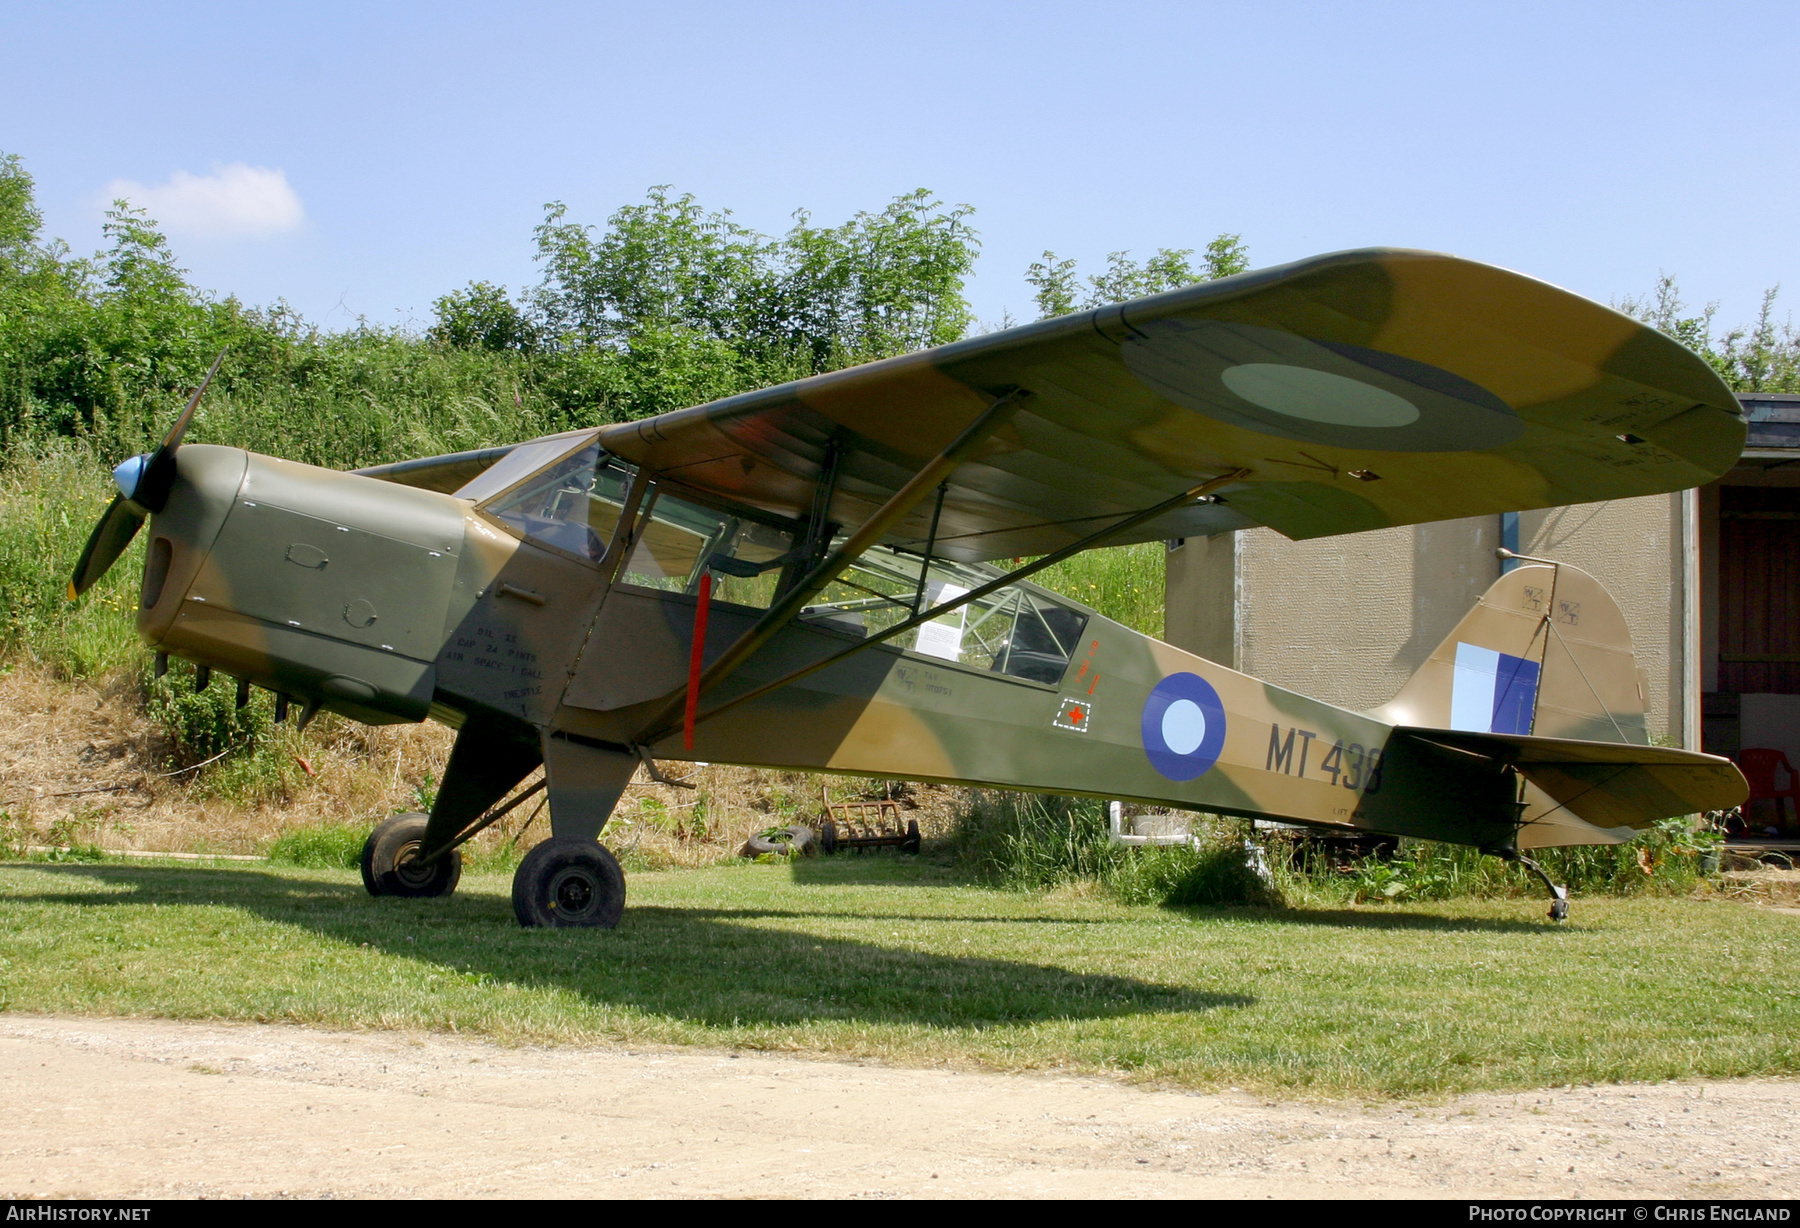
x,y
107,542
172,440
158,474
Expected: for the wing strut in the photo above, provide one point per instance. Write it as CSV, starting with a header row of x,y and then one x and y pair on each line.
x,y
1012,577
789,605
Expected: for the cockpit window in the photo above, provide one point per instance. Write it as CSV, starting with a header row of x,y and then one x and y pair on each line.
x,y
575,505
685,541
570,505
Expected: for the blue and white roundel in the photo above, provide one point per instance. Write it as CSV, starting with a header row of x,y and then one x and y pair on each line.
x,y
1184,726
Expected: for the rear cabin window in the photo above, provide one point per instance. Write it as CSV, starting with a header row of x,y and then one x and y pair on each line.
x,y
1012,631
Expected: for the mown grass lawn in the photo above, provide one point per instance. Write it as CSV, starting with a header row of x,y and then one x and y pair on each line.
x,y
896,959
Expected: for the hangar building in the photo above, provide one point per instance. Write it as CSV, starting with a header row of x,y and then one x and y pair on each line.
x,y
1709,580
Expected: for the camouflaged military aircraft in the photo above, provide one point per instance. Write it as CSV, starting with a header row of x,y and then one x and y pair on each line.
x,y
801,577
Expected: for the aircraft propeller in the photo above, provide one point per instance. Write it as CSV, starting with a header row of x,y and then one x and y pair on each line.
x,y
144,484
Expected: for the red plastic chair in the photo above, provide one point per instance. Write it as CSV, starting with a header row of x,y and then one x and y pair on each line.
x,y
1758,764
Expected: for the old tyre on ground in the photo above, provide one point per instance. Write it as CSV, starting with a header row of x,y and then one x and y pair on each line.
x,y
798,839
390,861
567,883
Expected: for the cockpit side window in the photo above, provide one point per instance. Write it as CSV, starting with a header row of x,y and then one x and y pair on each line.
x,y
575,504
684,541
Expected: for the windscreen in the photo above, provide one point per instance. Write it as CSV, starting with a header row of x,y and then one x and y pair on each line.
x,y
516,464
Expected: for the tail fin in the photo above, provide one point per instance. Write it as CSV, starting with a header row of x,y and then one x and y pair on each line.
x,y
1540,677
1545,652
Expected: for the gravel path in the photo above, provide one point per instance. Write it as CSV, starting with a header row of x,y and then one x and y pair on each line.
x,y
156,1108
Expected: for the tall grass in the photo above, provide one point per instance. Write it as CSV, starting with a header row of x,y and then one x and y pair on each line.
x,y
348,400
1030,842
1027,842
50,500
1125,583
1667,859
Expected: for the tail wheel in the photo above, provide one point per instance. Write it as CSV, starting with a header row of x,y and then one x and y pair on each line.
x,y
391,866
568,883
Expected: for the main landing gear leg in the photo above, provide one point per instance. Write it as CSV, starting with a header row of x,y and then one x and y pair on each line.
x,y
571,879
1559,896
414,854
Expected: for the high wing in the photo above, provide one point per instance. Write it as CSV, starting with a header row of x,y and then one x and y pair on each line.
x,y
1358,390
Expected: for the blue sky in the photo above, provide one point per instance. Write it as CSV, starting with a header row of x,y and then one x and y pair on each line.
x,y
361,159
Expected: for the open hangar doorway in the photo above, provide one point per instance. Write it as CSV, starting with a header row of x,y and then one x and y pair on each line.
x,y
1749,539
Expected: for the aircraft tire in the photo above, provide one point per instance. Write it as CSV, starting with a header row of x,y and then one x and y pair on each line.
x,y
567,883
912,836
386,869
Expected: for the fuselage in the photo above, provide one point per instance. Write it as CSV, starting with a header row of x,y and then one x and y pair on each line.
x,y
388,603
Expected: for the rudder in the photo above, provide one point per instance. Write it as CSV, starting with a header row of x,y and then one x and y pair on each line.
x,y
1545,652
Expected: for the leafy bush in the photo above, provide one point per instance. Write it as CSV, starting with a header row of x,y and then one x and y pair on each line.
x,y
202,725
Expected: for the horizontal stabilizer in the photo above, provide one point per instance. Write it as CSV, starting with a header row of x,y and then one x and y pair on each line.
x,y
1578,786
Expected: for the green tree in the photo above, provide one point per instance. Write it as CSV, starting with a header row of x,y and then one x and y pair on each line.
x,y
482,317
879,285
1763,356
663,264
21,256
671,305
1058,291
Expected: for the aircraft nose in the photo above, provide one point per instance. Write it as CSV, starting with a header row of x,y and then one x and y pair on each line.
x,y
199,493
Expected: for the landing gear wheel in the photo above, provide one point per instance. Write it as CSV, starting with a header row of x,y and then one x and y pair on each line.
x,y
390,861
828,837
912,836
566,883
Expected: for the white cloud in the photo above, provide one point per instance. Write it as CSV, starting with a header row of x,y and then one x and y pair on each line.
x,y
234,200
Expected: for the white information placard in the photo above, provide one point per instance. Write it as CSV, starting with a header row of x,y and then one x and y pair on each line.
x,y
942,637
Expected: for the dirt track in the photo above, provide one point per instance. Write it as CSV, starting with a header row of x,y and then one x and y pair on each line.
x,y
109,1107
